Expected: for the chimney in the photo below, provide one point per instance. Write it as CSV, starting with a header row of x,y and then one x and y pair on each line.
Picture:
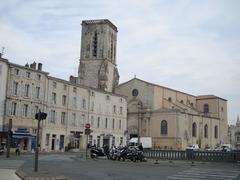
x,y
72,79
34,65
39,66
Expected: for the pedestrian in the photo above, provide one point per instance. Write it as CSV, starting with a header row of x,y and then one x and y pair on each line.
x,y
140,147
18,150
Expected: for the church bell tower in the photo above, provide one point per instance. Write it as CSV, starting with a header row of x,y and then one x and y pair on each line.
x,y
97,66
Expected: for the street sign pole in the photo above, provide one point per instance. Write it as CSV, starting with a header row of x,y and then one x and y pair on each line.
x,y
37,146
9,138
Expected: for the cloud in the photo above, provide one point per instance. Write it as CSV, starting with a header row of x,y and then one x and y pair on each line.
x,y
191,46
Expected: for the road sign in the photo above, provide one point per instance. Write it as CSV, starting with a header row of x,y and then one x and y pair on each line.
x,y
87,125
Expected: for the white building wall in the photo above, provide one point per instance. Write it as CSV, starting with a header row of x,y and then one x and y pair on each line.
x,y
3,86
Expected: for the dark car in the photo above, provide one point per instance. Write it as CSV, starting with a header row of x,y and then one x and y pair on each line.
x,y
1,150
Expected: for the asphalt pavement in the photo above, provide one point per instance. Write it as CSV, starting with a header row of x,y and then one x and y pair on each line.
x,y
74,166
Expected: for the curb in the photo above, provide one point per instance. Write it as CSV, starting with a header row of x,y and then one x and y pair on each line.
x,y
24,176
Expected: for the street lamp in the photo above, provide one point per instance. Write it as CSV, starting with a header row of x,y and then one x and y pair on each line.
x,y
39,116
139,118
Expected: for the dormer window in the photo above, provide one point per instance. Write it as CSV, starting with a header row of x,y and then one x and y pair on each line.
x,y
206,108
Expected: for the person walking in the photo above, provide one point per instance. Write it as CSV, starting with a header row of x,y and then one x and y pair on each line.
x,y
18,150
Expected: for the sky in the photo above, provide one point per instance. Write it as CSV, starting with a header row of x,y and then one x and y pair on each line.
x,y
188,45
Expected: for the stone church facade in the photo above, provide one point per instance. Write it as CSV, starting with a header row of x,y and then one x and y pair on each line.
x,y
172,118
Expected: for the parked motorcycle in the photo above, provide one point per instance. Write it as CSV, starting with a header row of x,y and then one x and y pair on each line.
x,y
98,152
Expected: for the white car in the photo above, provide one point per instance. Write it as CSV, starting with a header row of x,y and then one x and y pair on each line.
x,y
193,147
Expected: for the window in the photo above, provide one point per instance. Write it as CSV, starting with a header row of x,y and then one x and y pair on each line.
x,y
106,123
37,92
121,110
98,141
92,121
206,108
92,93
164,127
181,101
222,109
83,118
28,74
170,99
108,97
92,106
15,88
63,118
54,84
74,119
113,124
16,72
26,92
121,100
52,116
98,122
54,98
114,109
25,110
194,130
216,131
47,139
38,77
191,104
121,140
65,87
74,89
113,141
84,104
14,109
120,124
206,131
94,44
64,100
36,109
74,102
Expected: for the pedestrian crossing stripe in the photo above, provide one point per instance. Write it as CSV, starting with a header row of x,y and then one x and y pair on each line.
x,y
205,174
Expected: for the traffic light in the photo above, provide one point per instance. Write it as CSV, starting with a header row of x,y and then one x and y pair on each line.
x,y
42,115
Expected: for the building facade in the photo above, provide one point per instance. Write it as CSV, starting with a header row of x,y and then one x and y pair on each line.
x,y
234,134
172,118
88,98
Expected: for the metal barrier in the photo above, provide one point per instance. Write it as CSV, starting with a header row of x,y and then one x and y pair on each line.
x,y
193,155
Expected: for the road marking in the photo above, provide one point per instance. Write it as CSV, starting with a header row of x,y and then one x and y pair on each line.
x,y
205,174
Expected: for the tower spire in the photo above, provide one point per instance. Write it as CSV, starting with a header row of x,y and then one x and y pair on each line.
x,y
238,121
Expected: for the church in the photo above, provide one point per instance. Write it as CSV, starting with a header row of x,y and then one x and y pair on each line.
x,y
116,112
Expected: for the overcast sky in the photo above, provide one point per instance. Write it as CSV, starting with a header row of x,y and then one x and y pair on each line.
x,y
188,45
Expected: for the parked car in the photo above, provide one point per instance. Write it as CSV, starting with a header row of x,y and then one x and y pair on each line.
x,y
1,150
193,147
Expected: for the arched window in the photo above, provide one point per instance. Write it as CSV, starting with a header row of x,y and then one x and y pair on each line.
x,y
216,131
194,130
164,127
206,131
94,44
206,108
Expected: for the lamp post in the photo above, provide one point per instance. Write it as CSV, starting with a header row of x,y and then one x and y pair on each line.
x,y
9,134
39,116
139,118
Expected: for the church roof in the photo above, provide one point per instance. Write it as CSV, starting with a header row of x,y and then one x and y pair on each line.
x,y
197,97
